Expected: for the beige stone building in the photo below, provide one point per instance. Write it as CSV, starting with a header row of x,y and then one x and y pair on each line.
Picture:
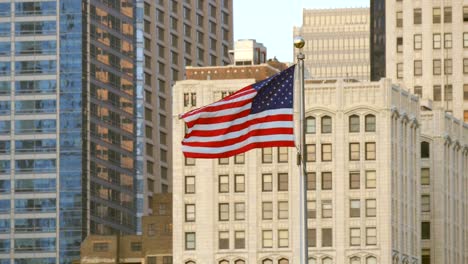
x,y
426,47
152,247
337,43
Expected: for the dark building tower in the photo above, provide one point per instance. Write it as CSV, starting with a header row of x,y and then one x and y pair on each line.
x,y
377,40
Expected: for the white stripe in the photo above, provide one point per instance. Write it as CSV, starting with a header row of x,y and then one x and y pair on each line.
x,y
219,113
217,150
248,94
236,134
241,120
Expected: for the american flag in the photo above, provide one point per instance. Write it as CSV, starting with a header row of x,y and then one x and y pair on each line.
x,y
257,116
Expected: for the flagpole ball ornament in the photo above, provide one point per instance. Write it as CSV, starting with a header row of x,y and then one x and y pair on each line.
x,y
299,42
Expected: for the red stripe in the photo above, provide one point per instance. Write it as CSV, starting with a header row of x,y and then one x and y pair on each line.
x,y
216,108
233,128
241,92
240,150
232,141
219,119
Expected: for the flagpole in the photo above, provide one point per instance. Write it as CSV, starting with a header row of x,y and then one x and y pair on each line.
x,y
299,43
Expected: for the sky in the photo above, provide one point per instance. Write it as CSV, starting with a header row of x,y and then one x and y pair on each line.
x,y
271,22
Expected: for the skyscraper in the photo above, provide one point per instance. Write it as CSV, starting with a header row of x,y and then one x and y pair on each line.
x,y
74,149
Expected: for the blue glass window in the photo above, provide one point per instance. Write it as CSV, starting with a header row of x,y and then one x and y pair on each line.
x,y
5,146
5,88
5,186
35,244
4,225
35,225
5,68
5,127
5,107
36,67
5,206
34,261
28,87
5,261
5,167
35,126
35,47
5,9
39,145
35,8
35,28
4,245
34,106
35,185
35,165
35,205
5,29
5,48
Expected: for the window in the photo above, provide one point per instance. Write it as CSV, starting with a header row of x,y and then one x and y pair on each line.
x,y
417,16
267,182
437,93
267,155
370,123
425,230
239,183
425,176
399,70
354,237
151,260
425,149
267,238
448,40
239,239
223,183
311,209
239,159
223,212
239,211
101,247
465,39
465,66
283,210
437,67
326,180
223,161
425,203
448,14
310,152
354,208
417,42
282,154
223,242
311,181
399,19
282,181
326,125
371,207
189,184
465,92
418,90
417,67
354,180
370,151
371,181
311,237
436,15
135,246
354,123
465,116
326,152
371,236
267,210
436,39
283,238
371,260
310,125
327,209
426,256
327,238
355,260
267,261
448,92
190,241
354,151
448,66
399,44
283,261
190,213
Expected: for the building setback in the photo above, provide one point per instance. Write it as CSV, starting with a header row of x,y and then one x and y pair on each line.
x,y
337,43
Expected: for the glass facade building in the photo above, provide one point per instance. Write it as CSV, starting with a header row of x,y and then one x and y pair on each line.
x,y
69,150
377,39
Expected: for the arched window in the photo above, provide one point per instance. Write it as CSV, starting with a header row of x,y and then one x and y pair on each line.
x,y
239,261
425,149
312,261
327,260
189,262
283,261
310,125
355,260
354,124
223,261
326,125
370,123
371,260
267,261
